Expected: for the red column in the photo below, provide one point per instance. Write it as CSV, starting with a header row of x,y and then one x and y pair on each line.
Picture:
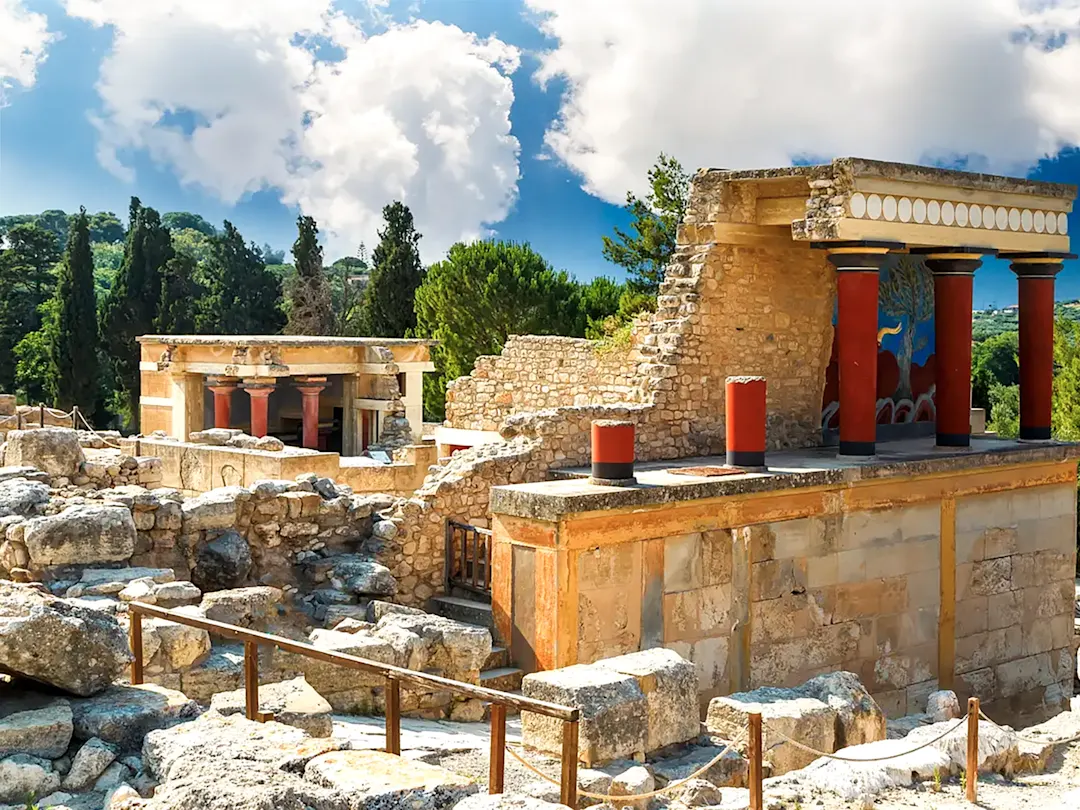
x,y
613,451
260,401
744,406
954,276
222,388
1036,278
857,269
310,388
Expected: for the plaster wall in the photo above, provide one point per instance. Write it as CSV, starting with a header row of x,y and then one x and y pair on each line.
x,y
920,585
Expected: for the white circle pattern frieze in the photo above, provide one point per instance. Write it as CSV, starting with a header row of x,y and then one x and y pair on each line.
x,y
958,214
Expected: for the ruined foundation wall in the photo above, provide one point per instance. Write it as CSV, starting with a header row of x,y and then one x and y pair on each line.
x,y
534,372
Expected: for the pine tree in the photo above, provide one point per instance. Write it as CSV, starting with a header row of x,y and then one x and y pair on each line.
x,y
26,282
73,334
242,297
388,309
131,305
180,297
309,303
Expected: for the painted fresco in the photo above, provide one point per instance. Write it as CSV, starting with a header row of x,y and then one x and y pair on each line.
x,y
905,373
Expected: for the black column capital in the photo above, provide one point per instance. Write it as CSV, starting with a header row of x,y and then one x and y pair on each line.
x,y
858,256
1037,265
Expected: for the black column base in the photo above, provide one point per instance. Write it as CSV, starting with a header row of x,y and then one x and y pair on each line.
x,y
954,440
857,448
613,470
1034,434
745,458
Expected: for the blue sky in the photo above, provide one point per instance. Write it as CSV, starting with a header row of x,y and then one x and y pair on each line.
x,y
627,86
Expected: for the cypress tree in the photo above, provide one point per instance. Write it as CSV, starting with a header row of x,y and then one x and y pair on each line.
x,y
131,306
243,297
310,308
396,273
73,338
180,297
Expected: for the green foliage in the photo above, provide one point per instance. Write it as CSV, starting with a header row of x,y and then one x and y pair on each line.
x,y
104,226
131,304
27,280
192,243
387,310
242,297
1066,413
348,278
181,293
185,220
73,334
1005,407
480,295
994,361
108,256
646,250
34,366
309,304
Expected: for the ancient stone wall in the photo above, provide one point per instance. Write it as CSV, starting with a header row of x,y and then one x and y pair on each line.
x,y
534,372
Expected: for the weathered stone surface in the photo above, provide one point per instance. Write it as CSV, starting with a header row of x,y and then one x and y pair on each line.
x,y
221,671
457,649
363,576
859,719
222,563
217,437
21,497
81,535
46,639
93,580
247,607
374,780
123,715
614,712
943,705
175,594
215,509
806,719
670,685
633,781
43,731
139,590
505,801
180,645
293,703
22,776
376,609
328,679
731,771
698,793
89,763
52,450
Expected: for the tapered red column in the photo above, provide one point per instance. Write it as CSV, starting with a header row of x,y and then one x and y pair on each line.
x,y
260,406
857,268
222,388
1036,272
310,388
954,276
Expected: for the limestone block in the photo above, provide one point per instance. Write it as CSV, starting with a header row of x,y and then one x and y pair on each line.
x,y
327,678
670,685
55,451
731,771
633,782
458,649
43,731
806,719
377,779
81,535
19,496
22,776
223,562
180,645
943,705
507,801
859,718
614,712
215,509
175,594
89,763
293,703
247,607
123,715
96,581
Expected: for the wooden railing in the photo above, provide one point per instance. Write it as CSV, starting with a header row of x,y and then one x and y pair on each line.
x,y
395,677
468,557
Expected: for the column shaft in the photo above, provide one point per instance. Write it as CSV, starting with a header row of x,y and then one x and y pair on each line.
x,y
260,406
954,277
1036,356
857,325
222,390
310,388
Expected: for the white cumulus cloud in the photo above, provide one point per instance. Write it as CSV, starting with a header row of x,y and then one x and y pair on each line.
x,y
757,83
241,95
24,38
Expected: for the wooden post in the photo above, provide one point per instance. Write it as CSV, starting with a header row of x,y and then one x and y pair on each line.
x,y
756,793
568,794
393,716
41,414
251,680
972,748
135,635
497,763
18,418
74,417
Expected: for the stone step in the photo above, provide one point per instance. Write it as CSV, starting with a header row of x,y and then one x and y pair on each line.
x,y
500,657
465,610
505,679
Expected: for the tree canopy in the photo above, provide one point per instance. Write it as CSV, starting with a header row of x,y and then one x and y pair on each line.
x,y
73,331
27,279
185,220
396,273
242,296
309,304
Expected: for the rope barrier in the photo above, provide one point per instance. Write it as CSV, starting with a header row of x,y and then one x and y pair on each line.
x,y
827,755
89,427
604,797
1022,738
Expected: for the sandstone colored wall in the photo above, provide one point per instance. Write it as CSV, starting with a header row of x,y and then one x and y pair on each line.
x,y
534,372
861,580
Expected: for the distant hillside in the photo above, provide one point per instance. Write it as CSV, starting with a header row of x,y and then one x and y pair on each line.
x,y
989,322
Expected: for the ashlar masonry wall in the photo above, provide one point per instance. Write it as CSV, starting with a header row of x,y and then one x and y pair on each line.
x,y
959,579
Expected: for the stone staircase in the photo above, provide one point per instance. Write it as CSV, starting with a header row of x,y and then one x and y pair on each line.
x,y
499,671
